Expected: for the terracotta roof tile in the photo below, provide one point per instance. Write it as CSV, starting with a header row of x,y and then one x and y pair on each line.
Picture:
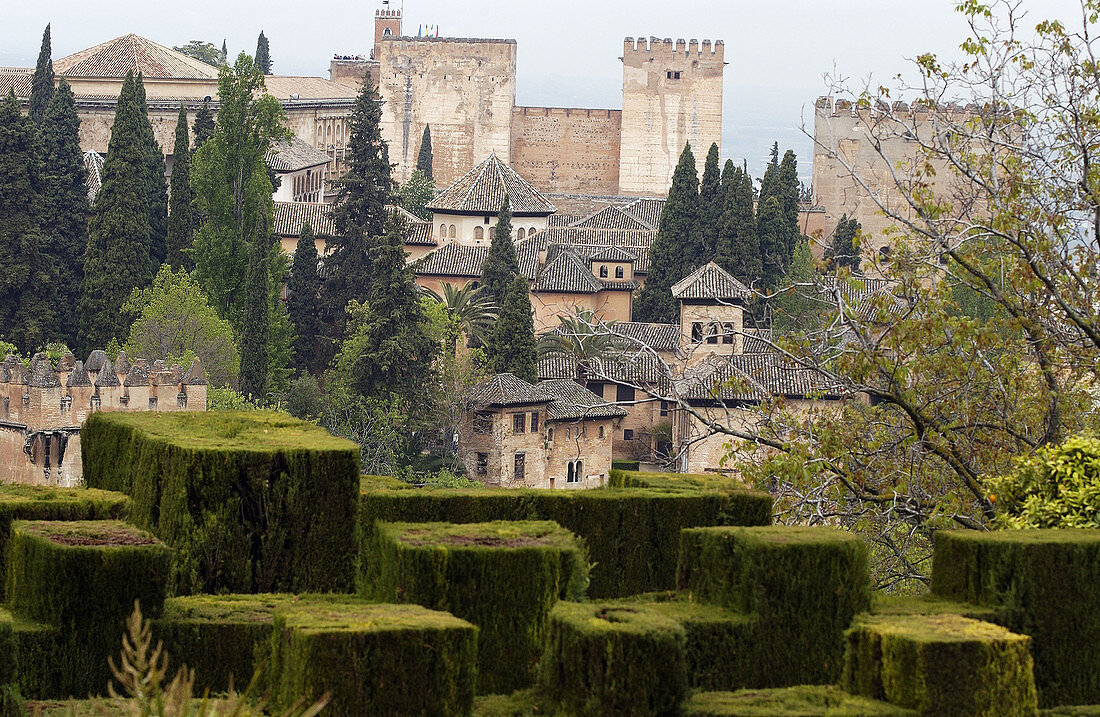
x,y
133,53
634,369
290,216
570,401
612,217
659,337
506,389
566,274
483,188
17,79
752,377
614,253
710,282
453,259
647,210
291,155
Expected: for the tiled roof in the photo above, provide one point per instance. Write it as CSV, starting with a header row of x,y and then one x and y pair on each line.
x,y
710,282
659,337
757,341
566,274
453,259
133,53
602,237
570,401
291,155
527,254
483,188
647,210
614,253
289,89
587,252
612,217
290,216
17,79
864,295
506,389
634,369
752,377
554,220
93,163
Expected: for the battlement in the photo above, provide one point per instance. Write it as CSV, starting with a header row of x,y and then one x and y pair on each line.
x,y
395,14
456,40
657,46
828,106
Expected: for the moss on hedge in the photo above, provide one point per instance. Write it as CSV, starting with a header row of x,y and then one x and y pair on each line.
x,y
42,659
522,703
803,584
884,604
632,534
800,701
1046,584
373,659
613,658
250,502
940,665
676,481
502,576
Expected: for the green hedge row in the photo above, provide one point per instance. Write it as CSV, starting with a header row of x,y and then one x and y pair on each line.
x,y
502,576
373,659
1045,584
941,665
613,659
632,534
804,585
11,700
800,701
250,502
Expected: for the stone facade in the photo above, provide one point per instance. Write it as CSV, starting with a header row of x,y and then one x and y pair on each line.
x,y
573,150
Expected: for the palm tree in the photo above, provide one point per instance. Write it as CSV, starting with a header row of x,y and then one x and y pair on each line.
x,y
471,310
584,337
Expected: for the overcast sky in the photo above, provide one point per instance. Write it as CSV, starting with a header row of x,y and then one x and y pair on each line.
x,y
777,50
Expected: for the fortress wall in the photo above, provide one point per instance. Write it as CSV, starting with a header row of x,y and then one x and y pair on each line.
x,y
567,150
351,70
464,88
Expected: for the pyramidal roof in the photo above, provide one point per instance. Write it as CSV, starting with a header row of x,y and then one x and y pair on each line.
x,y
483,188
710,282
133,53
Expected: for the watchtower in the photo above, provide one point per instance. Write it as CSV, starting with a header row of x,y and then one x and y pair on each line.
x,y
672,94
387,23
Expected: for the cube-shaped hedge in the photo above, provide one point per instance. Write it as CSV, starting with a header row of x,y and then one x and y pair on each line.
x,y
502,576
45,667
803,584
1045,584
800,701
11,701
613,659
373,659
250,502
941,665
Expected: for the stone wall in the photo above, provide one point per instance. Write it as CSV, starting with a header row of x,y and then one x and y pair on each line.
x,y
567,150
351,70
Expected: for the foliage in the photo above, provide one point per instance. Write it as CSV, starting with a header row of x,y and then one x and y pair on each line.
x,y
155,183
584,337
469,311
501,264
204,51
511,347
1056,487
175,323
844,249
303,289
415,194
711,201
263,54
424,155
797,309
304,399
379,426
204,124
256,326
737,248
825,700
181,216
42,80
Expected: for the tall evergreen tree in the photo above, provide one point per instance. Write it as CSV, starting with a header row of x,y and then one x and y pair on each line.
x,y
512,346
501,264
225,54
359,214
678,230
256,331
773,246
263,54
280,335
204,124
42,80
181,217
424,156
711,201
844,249
737,248
156,185
117,259
787,191
303,288
65,210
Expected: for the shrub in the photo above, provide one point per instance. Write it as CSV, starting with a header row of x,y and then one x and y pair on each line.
x,y
940,665
250,502
11,701
624,465
802,701
374,659
44,662
503,577
1046,584
1057,487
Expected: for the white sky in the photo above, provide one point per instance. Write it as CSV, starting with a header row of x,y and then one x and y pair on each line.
x,y
777,50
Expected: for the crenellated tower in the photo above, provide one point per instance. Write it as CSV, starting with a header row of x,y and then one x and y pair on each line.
x,y
672,94
387,23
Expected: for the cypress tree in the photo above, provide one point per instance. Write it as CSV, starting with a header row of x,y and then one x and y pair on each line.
x,y
26,269
181,217
787,191
65,210
42,80
738,249
117,260
257,326
710,206
424,156
501,264
156,185
773,246
225,53
679,229
844,249
301,303
204,124
263,54
511,346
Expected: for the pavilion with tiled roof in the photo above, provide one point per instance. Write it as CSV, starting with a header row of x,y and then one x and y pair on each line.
x,y
710,282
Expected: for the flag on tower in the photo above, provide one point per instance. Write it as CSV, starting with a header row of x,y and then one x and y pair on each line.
x,y
418,28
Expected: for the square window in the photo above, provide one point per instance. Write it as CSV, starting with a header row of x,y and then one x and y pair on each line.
x,y
628,434
624,393
534,421
519,423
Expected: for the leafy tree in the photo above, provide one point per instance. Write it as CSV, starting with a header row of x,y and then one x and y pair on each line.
x,y
469,310
117,260
511,347
256,331
501,264
175,323
424,156
710,206
263,54
42,80
65,206
155,184
181,217
671,257
1058,486
203,51
415,195
204,124
303,289
737,249
26,269
844,249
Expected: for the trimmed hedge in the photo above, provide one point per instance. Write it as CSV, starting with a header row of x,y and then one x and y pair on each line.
x,y
632,534
250,502
803,584
1046,584
604,659
884,604
11,701
523,703
373,659
502,576
941,665
801,701
44,663
625,465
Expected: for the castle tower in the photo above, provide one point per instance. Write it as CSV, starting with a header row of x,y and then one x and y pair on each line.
x,y
672,94
387,23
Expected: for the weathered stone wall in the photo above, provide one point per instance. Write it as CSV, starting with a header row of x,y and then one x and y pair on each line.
x,y
672,94
351,70
725,322
567,150
464,89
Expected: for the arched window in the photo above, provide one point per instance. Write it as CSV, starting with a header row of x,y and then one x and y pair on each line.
x,y
728,333
601,431
712,333
549,434
479,233
519,235
531,232
386,32
570,475
442,231
579,470
618,272
697,332
453,231
603,271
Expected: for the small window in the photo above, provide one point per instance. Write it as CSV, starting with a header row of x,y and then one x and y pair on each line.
x,y
712,333
697,332
534,421
618,272
568,432
573,471
483,422
520,234
624,393
443,231
531,232
519,423
549,434
603,271
728,333
482,463
486,220
628,434
664,408
454,233
386,32
520,467
479,233
601,431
